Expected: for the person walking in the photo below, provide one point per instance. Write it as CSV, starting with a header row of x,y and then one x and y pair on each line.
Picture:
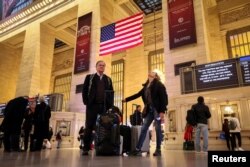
x,y
202,114
155,99
98,96
59,139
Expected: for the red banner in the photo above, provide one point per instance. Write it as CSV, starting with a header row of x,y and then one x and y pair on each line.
x,y
82,50
181,23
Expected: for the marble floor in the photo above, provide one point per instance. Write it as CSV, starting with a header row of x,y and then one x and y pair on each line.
x,y
73,158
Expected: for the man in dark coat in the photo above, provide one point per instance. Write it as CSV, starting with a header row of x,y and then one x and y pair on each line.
x,y
41,124
13,119
98,96
202,114
155,99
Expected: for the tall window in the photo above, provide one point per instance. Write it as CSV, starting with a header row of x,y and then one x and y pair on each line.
x,y
117,75
62,85
238,42
156,60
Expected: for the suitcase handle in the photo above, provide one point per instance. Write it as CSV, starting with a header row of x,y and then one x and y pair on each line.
x,y
126,113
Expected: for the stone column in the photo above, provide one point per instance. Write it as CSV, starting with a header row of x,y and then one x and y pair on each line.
x,y
36,62
76,104
9,67
213,37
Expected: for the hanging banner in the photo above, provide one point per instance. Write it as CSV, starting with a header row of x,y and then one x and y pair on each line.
x,y
181,23
82,50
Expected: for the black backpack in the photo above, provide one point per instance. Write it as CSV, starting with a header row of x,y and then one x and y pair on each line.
x,y
191,117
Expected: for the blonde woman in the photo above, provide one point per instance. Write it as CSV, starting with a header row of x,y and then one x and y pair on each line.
x,y
155,100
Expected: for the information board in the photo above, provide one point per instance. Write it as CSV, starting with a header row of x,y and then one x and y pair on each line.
x,y
222,74
245,69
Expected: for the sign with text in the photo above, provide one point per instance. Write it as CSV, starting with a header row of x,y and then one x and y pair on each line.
x,y
220,74
228,158
245,69
82,50
181,23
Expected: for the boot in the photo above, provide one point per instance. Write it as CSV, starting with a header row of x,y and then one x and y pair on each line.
x,y
157,152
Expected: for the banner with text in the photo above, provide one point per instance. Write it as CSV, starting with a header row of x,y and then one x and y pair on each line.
x,y
82,50
181,23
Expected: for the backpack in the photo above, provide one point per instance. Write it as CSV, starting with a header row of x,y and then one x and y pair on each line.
x,y
191,117
232,125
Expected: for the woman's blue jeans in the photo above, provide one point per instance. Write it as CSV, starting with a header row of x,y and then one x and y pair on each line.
x,y
151,116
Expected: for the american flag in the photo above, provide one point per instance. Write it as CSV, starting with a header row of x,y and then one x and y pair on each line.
x,y
121,35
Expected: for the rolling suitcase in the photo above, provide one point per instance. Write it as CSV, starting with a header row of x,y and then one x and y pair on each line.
x,y
125,132
107,140
135,134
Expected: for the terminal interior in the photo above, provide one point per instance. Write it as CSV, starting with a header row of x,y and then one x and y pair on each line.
x,y
37,51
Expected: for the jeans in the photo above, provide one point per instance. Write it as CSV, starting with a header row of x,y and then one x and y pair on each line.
x,y
151,116
201,128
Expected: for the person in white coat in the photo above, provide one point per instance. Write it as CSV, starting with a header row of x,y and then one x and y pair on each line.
x,y
234,127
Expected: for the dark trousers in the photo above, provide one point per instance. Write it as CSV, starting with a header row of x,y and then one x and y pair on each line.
x,y
229,141
234,136
26,139
11,141
91,116
125,131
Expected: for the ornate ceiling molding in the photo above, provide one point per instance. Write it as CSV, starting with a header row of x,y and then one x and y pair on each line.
x,y
236,14
30,13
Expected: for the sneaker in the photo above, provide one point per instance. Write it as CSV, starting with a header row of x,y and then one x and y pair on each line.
x,y
85,152
240,149
157,153
236,149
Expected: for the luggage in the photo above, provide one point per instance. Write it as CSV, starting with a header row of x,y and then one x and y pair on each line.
x,y
125,132
135,134
188,145
107,140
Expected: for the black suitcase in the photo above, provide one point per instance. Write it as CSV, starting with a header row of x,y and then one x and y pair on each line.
x,y
188,145
107,140
125,132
